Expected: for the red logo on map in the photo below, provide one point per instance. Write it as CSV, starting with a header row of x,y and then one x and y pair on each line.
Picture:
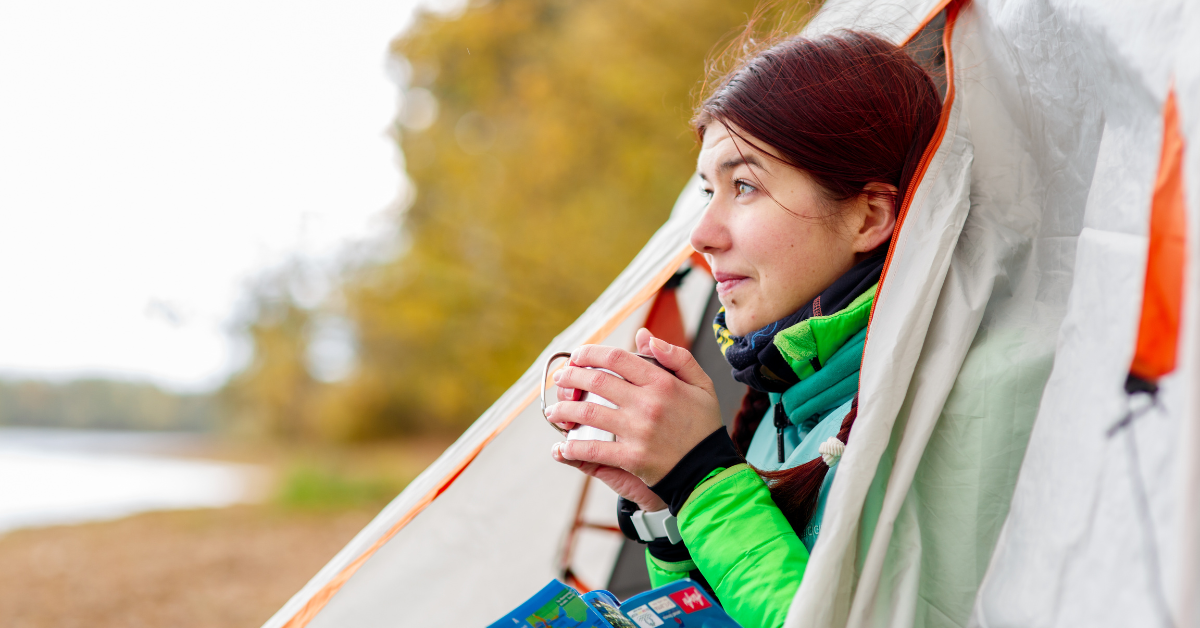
x,y
690,600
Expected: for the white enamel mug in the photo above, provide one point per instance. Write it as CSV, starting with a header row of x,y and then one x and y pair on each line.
x,y
586,432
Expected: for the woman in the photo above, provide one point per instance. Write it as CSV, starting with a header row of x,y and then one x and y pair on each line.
x,y
807,149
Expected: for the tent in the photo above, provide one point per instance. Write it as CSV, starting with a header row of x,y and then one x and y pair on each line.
x,y
1027,451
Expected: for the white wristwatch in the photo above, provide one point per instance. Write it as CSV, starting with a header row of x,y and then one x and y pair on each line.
x,y
655,525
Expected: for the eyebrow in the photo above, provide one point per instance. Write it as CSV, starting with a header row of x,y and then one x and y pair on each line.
x,y
749,160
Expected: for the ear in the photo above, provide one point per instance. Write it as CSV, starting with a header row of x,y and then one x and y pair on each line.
x,y
876,217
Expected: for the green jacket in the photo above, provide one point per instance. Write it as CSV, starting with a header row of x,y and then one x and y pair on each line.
x,y
738,538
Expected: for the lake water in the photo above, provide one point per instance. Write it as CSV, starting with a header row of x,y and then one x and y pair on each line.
x,y
51,477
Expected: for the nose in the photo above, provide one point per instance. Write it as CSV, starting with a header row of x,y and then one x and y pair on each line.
x,y
711,234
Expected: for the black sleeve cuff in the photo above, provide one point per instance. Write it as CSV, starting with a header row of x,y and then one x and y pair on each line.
x,y
625,508
714,452
662,549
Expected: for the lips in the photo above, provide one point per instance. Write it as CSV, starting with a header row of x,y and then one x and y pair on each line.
x,y
728,282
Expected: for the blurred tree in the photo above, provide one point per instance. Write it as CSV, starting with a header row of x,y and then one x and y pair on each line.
x,y
103,404
272,395
546,141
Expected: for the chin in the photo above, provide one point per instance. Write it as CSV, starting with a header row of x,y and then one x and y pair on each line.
x,y
739,317
733,323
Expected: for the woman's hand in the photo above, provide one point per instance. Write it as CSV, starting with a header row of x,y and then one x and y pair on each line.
x,y
661,416
622,482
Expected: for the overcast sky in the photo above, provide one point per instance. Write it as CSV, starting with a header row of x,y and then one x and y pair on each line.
x,y
155,155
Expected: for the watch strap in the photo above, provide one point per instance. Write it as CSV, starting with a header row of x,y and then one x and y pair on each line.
x,y
625,510
657,524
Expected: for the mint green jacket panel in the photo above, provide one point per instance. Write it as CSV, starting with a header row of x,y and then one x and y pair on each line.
x,y
798,446
744,546
763,454
736,535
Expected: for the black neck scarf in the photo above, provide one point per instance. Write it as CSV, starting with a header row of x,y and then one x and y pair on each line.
x,y
750,352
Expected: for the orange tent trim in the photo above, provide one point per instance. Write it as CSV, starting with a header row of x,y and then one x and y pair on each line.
x,y
321,598
665,320
941,6
1162,300
952,7
326,592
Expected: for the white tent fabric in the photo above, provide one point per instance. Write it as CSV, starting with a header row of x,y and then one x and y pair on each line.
x,y
1079,548
1008,316
495,534
1027,253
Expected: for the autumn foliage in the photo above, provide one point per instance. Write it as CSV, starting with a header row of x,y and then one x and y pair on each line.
x,y
559,145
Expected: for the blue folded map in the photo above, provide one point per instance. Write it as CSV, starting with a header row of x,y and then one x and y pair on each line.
x,y
680,603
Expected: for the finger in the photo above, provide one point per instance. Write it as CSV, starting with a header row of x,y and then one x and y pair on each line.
x,y
595,381
642,341
564,426
556,454
597,451
569,394
635,370
586,413
589,468
680,361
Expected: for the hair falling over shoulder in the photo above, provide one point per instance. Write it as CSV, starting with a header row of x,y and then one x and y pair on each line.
x,y
795,490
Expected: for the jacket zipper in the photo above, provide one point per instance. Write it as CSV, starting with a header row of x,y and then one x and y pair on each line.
x,y
781,421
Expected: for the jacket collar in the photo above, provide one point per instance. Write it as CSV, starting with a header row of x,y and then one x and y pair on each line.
x,y
779,355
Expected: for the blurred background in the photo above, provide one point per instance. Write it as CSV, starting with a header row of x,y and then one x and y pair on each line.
x,y
261,262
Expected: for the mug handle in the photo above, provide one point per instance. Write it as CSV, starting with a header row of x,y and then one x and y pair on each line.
x,y
545,376
566,354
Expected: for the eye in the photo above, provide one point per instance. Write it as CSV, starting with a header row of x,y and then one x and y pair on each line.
x,y
743,187
706,193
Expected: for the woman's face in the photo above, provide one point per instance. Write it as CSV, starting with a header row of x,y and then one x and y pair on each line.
x,y
767,262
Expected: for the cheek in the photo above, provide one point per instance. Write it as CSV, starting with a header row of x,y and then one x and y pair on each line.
x,y
770,256
760,241
790,259
777,249
800,262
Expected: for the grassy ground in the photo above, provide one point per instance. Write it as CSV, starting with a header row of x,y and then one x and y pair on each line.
x,y
227,568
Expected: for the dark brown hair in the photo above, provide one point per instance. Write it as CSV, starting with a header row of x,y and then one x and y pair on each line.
x,y
848,109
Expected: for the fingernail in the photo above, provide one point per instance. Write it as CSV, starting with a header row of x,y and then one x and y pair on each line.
x,y
557,376
658,344
550,410
554,448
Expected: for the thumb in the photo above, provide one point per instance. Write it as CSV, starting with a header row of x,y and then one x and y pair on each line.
x,y
680,361
642,341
